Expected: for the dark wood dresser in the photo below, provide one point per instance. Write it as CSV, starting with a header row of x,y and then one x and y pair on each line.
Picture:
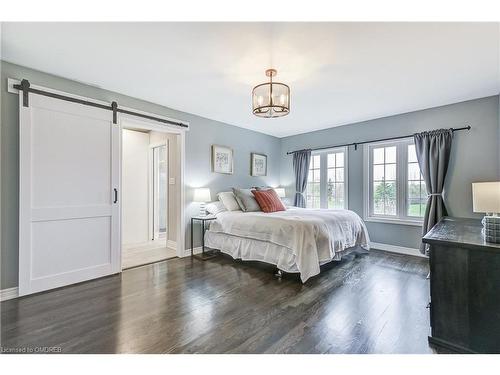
x,y
465,287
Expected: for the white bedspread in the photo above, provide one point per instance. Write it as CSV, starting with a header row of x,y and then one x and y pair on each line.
x,y
313,235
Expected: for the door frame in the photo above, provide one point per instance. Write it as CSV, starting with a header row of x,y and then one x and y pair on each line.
x,y
147,125
152,187
131,122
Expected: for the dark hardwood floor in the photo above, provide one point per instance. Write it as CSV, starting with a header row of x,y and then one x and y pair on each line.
x,y
367,303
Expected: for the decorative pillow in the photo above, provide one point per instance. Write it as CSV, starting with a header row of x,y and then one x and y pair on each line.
x,y
246,200
229,201
215,208
268,200
264,188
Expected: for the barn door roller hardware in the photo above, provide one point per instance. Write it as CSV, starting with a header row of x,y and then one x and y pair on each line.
x,y
26,88
114,108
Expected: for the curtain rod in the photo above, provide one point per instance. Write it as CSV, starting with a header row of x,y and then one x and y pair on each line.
x,y
356,144
26,89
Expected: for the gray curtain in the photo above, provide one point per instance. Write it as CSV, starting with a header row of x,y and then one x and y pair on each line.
x,y
433,153
301,161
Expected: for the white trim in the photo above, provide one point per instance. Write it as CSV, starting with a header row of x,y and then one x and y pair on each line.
x,y
151,230
397,249
181,132
373,245
171,244
158,144
386,220
181,229
366,182
187,252
328,150
10,293
346,177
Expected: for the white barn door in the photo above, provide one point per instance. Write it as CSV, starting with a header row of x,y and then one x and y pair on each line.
x,y
69,209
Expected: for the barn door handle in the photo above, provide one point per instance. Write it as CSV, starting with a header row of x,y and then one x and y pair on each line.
x,y
116,195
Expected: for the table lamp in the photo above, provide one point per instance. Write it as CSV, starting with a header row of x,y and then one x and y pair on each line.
x,y
486,199
202,196
280,192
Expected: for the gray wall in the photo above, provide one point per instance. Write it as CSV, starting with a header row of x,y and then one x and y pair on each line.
x,y
202,135
474,157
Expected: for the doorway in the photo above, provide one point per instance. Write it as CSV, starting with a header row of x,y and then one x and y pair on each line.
x,y
145,197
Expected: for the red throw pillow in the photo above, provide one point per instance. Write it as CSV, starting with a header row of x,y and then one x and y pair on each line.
x,y
268,200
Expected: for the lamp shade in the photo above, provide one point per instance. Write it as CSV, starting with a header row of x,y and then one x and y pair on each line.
x,y
486,197
280,192
202,195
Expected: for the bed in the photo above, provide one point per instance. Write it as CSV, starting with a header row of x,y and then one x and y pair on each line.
x,y
295,240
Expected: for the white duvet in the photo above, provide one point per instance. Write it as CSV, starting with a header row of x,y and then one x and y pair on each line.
x,y
313,236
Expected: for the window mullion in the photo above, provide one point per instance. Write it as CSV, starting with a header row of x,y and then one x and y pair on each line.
x,y
402,180
346,177
405,175
370,181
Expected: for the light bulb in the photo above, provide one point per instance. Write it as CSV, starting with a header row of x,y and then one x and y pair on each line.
x,y
282,99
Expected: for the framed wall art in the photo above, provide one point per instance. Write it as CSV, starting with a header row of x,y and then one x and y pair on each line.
x,y
222,159
258,164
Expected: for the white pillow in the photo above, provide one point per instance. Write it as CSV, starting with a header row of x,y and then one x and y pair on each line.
x,y
229,201
215,208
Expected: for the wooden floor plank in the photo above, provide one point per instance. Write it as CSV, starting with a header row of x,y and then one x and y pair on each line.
x,y
367,303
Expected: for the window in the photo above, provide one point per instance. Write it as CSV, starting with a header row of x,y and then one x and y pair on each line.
x,y
327,180
394,187
417,194
384,180
313,182
335,180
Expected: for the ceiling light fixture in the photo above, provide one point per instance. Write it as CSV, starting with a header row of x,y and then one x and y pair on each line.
x,y
271,99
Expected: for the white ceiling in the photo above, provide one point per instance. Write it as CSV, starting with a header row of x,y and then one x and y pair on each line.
x,y
339,73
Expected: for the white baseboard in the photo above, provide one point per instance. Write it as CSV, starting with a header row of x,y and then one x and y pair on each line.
x,y
9,293
172,244
374,245
397,249
196,250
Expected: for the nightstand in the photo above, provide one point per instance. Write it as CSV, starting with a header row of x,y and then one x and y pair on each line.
x,y
204,254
